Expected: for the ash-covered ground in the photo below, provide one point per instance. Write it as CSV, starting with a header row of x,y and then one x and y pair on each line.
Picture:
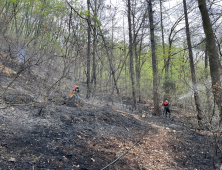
x,y
59,132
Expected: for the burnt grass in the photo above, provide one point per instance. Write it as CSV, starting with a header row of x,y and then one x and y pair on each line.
x,y
90,134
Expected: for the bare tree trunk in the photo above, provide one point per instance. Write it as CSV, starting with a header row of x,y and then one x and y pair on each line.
x,y
124,42
163,43
88,52
138,70
134,102
166,95
137,64
93,80
208,105
193,75
213,55
154,62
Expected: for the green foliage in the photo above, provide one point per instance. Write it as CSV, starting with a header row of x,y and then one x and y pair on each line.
x,y
44,26
169,85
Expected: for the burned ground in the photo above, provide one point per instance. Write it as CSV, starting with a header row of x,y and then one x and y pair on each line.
x,y
90,134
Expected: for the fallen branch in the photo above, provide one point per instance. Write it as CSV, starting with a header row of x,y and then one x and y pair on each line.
x,y
125,152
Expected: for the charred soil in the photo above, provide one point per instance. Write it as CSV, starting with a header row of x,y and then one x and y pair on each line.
x,y
90,134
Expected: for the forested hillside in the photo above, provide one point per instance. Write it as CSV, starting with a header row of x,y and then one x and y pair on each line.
x,y
127,57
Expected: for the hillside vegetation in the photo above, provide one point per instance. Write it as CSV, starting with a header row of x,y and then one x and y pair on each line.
x,y
127,57
91,134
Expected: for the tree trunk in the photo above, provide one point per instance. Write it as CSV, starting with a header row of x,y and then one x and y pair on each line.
x,y
88,52
166,95
208,105
138,70
163,43
137,63
124,42
213,55
193,75
93,80
154,62
134,102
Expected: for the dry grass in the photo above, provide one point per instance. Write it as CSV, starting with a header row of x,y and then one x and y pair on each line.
x,y
6,70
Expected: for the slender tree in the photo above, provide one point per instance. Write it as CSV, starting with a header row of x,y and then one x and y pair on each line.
x,y
213,56
163,44
193,75
88,51
154,61
134,102
137,63
93,79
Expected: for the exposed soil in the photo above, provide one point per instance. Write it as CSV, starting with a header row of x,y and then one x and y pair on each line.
x,y
90,134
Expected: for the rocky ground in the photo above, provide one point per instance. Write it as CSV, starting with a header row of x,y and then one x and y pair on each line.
x,y
91,134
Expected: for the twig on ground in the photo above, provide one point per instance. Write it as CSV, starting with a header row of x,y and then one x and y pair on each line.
x,y
125,152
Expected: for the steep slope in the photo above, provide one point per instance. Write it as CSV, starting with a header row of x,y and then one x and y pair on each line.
x,y
90,134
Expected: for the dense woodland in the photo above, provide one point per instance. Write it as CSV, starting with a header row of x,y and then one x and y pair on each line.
x,y
136,50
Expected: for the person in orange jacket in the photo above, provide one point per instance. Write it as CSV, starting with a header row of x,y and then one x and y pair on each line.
x,y
166,108
76,90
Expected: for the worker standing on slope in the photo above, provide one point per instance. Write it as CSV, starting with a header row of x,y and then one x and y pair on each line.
x,y
76,90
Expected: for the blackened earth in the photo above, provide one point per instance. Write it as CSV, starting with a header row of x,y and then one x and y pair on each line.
x,y
90,134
